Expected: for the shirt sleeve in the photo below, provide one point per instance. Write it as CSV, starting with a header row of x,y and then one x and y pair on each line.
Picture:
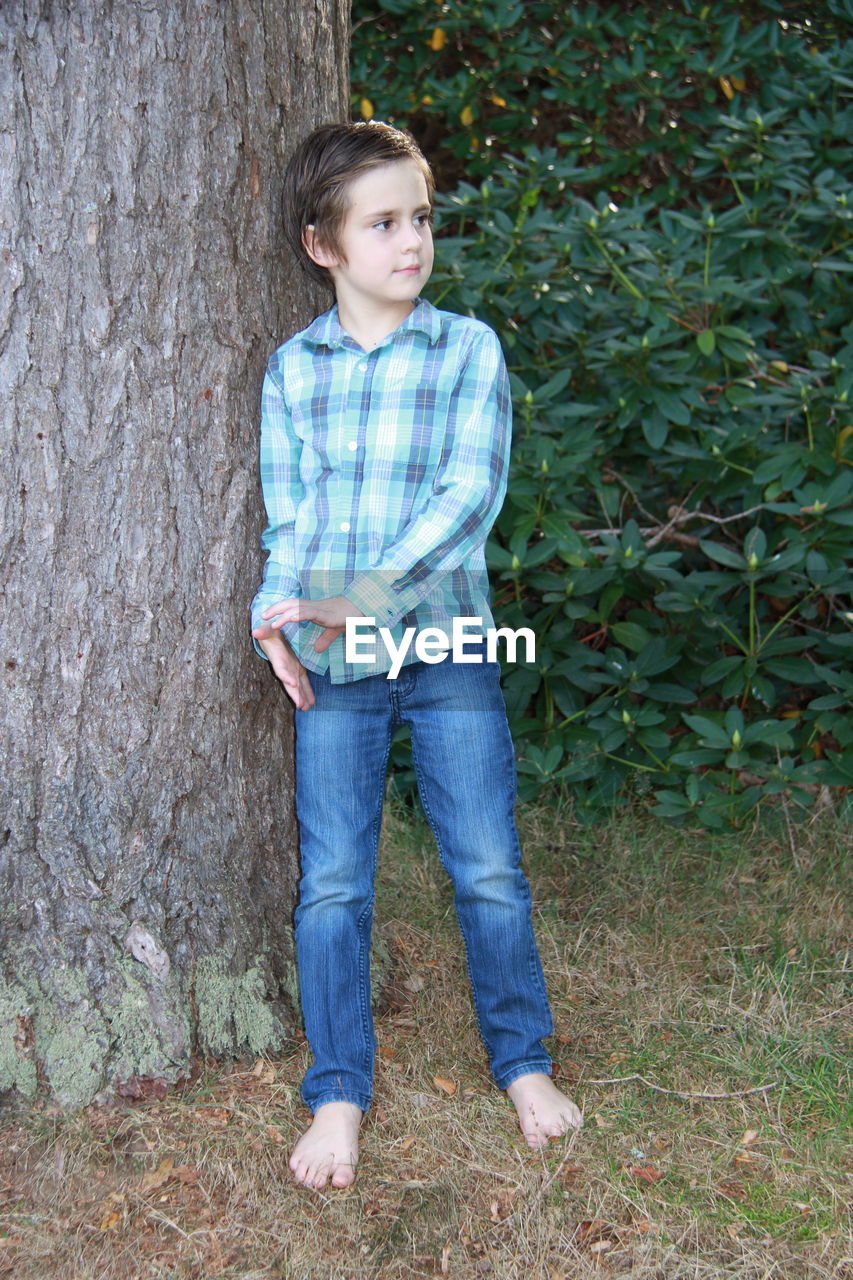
x,y
467,492
282,489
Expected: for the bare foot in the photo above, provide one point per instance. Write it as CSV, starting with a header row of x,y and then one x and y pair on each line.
x,y
328,1149
543,1111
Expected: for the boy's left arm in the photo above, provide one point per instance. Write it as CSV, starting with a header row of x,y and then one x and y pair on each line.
x,y
468,491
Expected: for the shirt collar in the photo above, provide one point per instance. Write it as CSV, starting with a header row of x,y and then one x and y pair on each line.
x,y
326,330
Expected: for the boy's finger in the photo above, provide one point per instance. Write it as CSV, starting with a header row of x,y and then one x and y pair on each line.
x,y
294,608
273,608
327,637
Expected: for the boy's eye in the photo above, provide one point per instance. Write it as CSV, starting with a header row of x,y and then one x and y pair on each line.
x,y
420,220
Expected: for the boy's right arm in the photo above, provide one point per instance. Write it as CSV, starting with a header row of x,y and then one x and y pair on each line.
x,y
282,489
286,666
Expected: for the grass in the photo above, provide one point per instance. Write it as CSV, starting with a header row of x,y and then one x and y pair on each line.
x,y
702,964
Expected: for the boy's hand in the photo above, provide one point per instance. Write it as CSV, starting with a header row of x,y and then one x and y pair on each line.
x,y
330,613
286,666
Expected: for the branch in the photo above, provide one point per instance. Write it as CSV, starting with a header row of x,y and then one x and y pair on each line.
x,y
678,516
678,1093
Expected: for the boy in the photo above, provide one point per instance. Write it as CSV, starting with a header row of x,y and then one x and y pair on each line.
x,y
384,450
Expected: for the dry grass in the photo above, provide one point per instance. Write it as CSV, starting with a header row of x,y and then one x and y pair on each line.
x,y
702,965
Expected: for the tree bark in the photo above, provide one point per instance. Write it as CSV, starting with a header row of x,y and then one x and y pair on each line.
x,y
148,860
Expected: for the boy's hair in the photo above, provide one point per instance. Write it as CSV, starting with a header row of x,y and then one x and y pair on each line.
x,y
320,170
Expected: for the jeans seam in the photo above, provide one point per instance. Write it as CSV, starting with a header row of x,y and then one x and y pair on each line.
x,y
535,971
365,941
441,851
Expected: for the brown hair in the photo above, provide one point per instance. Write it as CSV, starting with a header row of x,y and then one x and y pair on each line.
x,y
316,179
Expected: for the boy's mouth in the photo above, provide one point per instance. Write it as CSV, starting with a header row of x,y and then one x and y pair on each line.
x,y
409,271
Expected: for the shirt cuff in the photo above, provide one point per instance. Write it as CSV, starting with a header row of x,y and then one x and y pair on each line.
x,y
375,599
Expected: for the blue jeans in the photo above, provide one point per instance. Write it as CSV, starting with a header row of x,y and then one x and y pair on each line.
x,y
465,767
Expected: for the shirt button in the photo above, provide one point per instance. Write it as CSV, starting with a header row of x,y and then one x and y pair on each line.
x,y
353,445
345,526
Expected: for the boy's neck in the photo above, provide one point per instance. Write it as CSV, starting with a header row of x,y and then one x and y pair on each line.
x,y
369,325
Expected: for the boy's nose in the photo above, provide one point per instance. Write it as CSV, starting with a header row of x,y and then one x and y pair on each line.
x,y
412,238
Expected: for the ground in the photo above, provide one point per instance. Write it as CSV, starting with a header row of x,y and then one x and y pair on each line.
x,y
678,965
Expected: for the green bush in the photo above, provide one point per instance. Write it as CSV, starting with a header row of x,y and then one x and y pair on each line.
x,y
656,219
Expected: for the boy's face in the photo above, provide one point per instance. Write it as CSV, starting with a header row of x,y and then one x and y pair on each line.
x,y
386,250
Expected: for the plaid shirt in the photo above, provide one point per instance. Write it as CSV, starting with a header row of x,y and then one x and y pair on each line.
x,y
382,474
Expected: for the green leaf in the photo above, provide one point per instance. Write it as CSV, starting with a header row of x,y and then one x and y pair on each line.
x,y
722,555
707,730
738,335
631,635
552,387
706,342
672,407
656,430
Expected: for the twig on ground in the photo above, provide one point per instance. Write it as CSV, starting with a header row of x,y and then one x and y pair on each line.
x,y
678,1093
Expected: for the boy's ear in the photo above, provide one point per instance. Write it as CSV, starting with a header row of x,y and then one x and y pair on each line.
x,y
316,250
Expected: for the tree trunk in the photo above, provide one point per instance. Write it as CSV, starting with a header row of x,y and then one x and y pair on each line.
x,y
147,836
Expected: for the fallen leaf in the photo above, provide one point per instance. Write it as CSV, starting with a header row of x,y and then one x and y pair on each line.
x,y
731,1231
592,1229
447,1086
445,1259
216,1116
618,1057
157,1177
164,1172
600,1246
644,1173
138,1087
408,1143
749,1137
501,1206
385,1052
275,1133
732,1190
112,1210
743,1157
600,1121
